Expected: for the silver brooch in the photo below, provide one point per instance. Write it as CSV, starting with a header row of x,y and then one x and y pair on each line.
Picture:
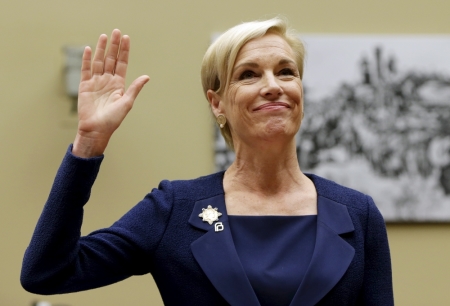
x,y
210,214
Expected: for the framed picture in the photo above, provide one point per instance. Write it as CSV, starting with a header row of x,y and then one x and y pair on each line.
x,y
377,119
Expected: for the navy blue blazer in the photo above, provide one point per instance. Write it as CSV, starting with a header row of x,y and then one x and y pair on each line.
x,y
191,263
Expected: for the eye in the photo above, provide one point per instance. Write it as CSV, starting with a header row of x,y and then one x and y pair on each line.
x,y
286,71
247,74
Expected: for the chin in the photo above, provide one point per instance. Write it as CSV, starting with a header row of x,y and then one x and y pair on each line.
x,y
278,132
282,127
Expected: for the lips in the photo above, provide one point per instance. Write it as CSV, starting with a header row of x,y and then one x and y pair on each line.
x,y
272,105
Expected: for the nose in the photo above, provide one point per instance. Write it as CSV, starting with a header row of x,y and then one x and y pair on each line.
x,y
271,88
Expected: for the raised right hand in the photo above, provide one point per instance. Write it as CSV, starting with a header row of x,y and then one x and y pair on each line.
x,y
103,102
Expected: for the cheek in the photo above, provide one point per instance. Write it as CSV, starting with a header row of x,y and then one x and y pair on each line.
x,y
297,94
232,96
300,90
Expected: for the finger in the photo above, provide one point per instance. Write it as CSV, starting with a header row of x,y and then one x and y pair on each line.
x,y
122,59
135,88
97,65
86,64
111,55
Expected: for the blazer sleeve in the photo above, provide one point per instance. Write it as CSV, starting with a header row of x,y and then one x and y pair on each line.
x,y
377,286
59,260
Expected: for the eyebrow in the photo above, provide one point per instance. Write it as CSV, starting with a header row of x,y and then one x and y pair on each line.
x,y
286,61
283,61
246,64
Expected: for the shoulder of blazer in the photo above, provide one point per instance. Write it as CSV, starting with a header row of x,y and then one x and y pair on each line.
x,y
197,189
351,198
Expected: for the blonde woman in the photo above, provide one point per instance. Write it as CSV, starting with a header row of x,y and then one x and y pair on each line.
x,y
260,233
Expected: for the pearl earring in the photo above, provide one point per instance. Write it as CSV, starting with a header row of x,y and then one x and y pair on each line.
x,y
221,120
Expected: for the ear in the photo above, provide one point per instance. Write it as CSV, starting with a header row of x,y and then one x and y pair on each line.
x,y
215,101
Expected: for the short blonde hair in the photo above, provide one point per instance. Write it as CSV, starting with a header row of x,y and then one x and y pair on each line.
x,y
219,59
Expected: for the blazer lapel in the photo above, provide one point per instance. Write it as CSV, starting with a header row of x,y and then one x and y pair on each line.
x,y
332,255
216,254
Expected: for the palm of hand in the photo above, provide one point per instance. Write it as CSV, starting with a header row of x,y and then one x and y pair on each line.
x,y
101,104
103,101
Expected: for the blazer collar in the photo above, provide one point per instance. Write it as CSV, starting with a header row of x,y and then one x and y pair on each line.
x,y
332,255
216,254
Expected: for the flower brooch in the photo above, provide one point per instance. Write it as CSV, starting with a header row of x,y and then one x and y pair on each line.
x,y
210,214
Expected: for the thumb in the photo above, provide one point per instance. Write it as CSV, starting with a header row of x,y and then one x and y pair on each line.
x,y
135,88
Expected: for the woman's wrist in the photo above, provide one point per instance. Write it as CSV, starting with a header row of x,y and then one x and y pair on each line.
x,y
87,147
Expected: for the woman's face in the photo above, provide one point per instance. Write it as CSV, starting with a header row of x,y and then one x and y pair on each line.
x,y
265,95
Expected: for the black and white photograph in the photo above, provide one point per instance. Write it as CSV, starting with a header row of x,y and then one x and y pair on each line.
x,y
377,119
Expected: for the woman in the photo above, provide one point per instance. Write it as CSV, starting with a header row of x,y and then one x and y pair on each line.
x,y
260,233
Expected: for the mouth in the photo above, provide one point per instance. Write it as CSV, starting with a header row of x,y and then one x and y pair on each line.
x,y
272,106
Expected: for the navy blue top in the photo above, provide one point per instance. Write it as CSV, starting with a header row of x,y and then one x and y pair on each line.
x,y
275,252
191,263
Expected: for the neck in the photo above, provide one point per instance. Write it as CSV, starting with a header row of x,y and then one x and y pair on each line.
x,y
266,169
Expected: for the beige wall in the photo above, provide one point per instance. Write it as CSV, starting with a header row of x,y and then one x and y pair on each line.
x,y
168,133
